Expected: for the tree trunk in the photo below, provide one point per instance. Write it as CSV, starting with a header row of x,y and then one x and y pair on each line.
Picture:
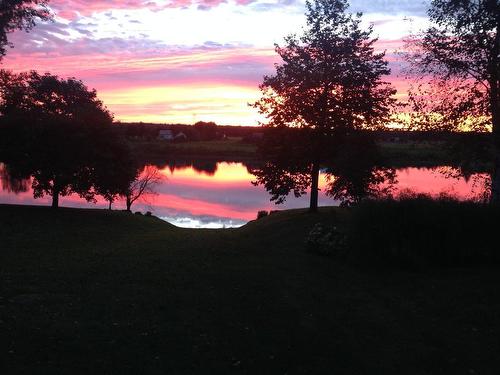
x,y
495,179
495,122
313,206
129,203
55,198
110,203
494,83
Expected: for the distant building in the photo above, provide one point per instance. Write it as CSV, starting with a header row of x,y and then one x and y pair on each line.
x,y
166,135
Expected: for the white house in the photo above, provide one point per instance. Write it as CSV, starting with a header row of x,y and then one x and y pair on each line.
x,y
166,135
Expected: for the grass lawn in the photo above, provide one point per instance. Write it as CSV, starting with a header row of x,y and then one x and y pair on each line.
x,y
232,148
97,292
397,155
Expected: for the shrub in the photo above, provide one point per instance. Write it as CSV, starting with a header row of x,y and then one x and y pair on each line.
x,y
262,214
418,230
326,240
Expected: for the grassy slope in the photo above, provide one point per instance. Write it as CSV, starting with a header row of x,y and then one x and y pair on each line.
x,y
89,291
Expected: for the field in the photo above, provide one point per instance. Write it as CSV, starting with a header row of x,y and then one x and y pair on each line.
x,y
232,148
93,291
408,154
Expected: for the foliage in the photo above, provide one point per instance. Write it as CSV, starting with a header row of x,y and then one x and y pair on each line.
x,y
329,84
11,182
261,214
456,66
416,230
20,15
115,170
57,131
356,173
325,240
284,169
142,184
206,131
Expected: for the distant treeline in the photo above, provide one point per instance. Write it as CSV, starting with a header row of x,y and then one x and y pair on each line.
x,y
196,132
200,131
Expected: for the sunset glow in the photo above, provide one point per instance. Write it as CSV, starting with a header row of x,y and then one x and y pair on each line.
x,y
228,198
184,61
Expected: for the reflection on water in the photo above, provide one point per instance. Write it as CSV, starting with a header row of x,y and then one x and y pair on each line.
x,y
220,195
209,222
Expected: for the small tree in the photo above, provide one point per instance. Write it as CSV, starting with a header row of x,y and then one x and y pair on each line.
x,y
329,84
20,15
114,169
456,63
207,131
142,185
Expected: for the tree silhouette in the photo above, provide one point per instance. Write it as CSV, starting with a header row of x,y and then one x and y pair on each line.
x,y
143,184
11,182
206,131
114,170
456,66
329,84
54,130
355,173
20,15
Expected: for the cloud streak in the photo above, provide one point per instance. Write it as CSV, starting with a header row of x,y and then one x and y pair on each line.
x,y
171,61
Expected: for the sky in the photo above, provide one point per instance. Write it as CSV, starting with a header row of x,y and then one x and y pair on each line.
x,y
182,61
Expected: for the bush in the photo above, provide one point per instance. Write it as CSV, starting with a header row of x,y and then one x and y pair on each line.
x,y
138,213
418,230
262,214
148,213
326,240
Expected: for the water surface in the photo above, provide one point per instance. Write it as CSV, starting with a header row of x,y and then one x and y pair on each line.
x,y
223,196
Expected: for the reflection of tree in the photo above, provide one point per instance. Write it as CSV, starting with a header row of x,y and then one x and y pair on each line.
x,y
114,172
284,169
352,172
208,167
12,183
481,182
279,179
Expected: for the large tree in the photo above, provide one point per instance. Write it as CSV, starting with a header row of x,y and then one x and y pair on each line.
x,y
54,130
20,15
328,86
456,66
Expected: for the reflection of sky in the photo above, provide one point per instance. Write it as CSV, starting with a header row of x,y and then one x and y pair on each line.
x,y
209,222
190,198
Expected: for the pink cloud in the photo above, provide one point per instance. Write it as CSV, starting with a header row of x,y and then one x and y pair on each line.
x,y
72,8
